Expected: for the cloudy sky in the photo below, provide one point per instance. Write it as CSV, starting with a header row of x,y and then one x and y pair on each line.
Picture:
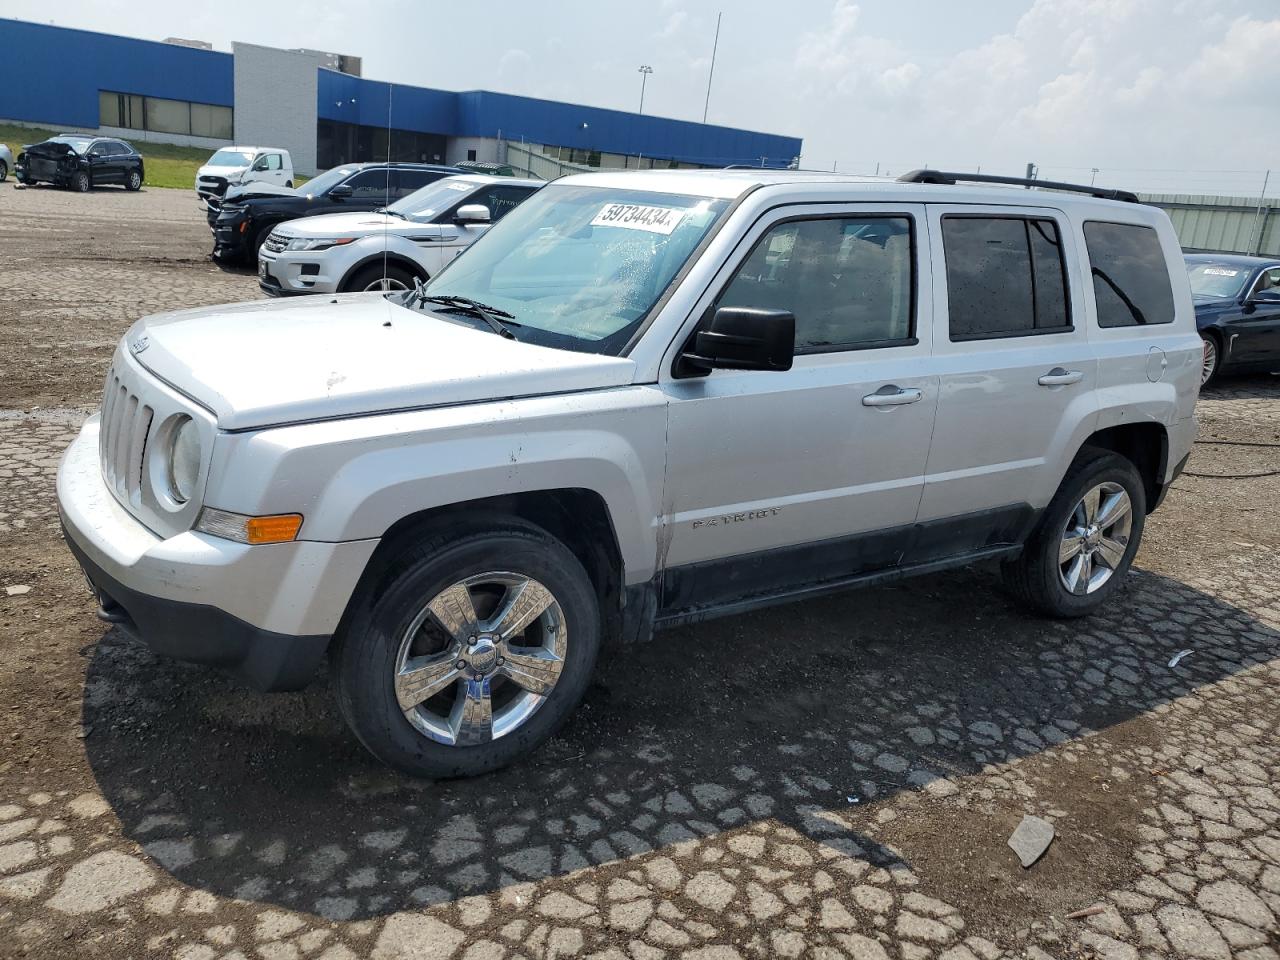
x,y
1157,94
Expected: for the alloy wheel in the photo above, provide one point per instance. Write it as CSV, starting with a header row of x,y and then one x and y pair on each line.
x,y
1210,361
1095,538
480,658
386,283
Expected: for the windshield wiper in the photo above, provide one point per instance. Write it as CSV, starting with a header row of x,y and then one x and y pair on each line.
x,y
394,213
490,315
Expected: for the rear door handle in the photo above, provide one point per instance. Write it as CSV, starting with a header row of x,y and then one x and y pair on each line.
x,y
891,395
1060,377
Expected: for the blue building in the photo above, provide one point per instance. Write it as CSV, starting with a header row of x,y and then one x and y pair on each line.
x,y
302,101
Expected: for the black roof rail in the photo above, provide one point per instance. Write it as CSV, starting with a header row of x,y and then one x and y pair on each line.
x,y
947,177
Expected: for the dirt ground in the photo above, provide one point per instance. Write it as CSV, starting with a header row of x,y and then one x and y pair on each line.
x,y
834,779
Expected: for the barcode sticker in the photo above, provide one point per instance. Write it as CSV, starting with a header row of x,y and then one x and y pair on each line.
x,y
634,216
1220,272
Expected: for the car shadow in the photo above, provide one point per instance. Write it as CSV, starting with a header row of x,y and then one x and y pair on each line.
x,y
808,716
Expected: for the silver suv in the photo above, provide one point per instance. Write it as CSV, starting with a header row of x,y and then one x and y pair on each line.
x,y
642,399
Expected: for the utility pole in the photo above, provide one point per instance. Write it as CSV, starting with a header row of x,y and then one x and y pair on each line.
x,y
1253,231
1093,175
1032,172
715,45
645,70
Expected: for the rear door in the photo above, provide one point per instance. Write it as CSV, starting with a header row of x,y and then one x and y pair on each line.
x,y
778,480
1017,376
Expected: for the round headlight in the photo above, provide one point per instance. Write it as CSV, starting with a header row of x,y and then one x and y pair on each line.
x,y
184,460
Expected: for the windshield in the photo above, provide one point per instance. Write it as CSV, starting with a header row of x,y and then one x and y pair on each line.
x,y
433,199
231,158
1216,279
321,184
580,267
78,144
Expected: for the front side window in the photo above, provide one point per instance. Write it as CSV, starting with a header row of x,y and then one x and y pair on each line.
x,y
371,184
273,161
1006,277
580,267
99,149
500,199
1268,281
1130,276
848,280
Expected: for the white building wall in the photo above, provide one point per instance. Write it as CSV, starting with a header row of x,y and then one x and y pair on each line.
x,y
275,100
456,148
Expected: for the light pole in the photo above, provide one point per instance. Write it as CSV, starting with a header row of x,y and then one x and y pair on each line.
x,y
645,70
1094,175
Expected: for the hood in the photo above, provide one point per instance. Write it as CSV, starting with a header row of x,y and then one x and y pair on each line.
x,y
258,188
220,171
263,363
354,225
49,148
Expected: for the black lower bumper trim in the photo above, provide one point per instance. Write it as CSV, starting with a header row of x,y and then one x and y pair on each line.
x,y
199,633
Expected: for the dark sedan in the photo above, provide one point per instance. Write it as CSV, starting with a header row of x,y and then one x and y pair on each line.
x,y
80,162
245,217
1237,302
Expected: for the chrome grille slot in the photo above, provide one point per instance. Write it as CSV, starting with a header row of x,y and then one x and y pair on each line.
x,y
122,442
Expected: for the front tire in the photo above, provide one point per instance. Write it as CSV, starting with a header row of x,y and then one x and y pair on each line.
x,y
373,277
4,171
1212,360
469,651
1085,541
80,183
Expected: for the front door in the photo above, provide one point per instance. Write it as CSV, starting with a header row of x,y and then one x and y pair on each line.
x,y
1254,336
1018,377
780,480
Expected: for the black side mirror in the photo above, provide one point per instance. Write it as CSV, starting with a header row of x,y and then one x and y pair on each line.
x,y
743,338
342,191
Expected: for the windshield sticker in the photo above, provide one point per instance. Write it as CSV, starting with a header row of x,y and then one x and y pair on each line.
x,y
632,216
1220,272
457,186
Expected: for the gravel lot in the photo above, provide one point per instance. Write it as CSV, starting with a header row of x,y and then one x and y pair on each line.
x,y
836,779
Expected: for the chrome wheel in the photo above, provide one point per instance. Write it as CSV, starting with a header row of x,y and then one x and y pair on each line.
x,y
1209,364
386,283
1095,539
480,658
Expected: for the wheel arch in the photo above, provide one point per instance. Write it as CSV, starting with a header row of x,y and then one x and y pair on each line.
x,y
390,257
1145,445
576,516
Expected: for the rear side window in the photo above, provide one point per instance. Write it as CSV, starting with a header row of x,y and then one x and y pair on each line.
x,y
1005,277
407,181
1130,275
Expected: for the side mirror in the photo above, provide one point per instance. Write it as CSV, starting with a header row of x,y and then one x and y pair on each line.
x,y
743,338
472,213
342,191
1266,296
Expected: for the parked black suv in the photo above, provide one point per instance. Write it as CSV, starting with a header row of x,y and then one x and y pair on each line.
x,y
80,162
1237,301
244,217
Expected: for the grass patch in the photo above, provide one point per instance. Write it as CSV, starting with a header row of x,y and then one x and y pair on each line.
x,y
164,164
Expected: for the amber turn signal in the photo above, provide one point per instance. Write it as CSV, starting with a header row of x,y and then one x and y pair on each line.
x,y
277,529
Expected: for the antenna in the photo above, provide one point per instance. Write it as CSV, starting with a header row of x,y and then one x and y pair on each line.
x,y
386,195
715,45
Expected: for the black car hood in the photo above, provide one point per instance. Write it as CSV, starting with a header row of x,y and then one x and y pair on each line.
x,y
50,149
251,190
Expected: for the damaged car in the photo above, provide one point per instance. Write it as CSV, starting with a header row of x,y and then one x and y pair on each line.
x,y
81,163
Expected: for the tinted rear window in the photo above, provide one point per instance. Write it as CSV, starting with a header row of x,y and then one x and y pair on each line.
x,y
1005,277
1130,276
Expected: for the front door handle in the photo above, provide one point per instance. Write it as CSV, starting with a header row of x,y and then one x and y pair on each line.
x,y
891,395
1060,377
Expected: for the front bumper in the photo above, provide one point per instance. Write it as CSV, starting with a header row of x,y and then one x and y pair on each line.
x,y
291,272
264,613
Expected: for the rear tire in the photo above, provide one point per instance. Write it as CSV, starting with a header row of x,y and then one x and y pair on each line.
x,y
394,628
133,181
372,277
80,183
1055,581
4,171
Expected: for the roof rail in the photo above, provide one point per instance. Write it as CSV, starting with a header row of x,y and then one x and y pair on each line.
x,y
947,177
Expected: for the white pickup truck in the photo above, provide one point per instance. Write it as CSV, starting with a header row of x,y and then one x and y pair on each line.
x,y
642,399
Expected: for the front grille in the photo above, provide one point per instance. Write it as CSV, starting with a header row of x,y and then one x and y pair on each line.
x,y
122,438
275,243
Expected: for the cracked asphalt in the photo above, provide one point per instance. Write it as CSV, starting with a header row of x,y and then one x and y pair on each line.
x,y
833,779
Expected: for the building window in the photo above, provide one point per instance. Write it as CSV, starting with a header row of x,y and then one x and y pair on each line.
x,y
133,112
471,154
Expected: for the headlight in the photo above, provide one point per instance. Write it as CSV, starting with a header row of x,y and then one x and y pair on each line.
x,y
303,243
184,460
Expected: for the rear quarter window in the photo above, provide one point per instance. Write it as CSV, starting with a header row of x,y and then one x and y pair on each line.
x,y
1130,275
